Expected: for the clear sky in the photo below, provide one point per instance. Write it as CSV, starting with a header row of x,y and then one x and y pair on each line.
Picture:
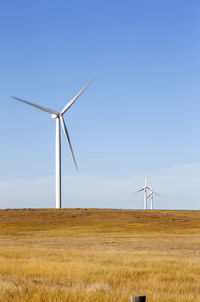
x,y
140,115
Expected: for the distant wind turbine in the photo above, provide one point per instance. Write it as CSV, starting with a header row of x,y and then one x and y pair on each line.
x,y
59,119
145,189
151,195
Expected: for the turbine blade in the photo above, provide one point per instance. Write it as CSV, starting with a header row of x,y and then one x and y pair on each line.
x,y
37,106
68,140
159,195
75,97
149,195
140,190
145,181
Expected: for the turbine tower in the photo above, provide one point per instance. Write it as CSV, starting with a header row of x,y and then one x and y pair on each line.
x,y
145,189
58,116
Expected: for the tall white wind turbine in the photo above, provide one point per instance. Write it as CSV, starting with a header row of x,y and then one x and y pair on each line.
x,y
145,189
59,120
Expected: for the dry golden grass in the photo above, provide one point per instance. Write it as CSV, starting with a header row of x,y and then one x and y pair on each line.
x,y
99,255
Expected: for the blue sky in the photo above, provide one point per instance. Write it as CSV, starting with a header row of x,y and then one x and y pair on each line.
x,y
140,115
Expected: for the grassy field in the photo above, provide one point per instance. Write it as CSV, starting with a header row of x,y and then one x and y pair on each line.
x,y
99,255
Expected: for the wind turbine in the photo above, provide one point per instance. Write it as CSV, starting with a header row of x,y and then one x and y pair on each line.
x,y
59,120
145,189
151,195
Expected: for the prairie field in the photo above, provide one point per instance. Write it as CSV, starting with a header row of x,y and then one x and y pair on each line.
x,y
98,255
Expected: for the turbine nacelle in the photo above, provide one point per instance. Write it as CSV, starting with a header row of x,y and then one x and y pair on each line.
x,y
54,115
